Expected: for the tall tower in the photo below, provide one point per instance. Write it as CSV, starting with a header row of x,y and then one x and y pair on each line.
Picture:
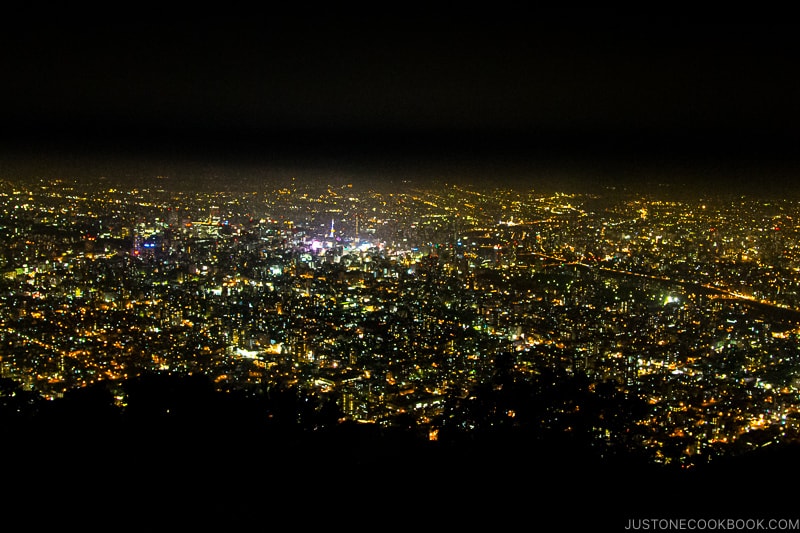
x,y
332,230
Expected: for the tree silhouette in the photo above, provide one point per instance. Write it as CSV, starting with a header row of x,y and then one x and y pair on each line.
x,y
17,403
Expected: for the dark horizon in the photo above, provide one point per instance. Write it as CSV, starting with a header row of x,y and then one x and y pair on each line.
x,y
598,97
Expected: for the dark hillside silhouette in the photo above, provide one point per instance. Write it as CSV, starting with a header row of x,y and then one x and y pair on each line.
x,y
231,454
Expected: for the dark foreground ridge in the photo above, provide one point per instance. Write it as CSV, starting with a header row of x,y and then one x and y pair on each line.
x,y
219,459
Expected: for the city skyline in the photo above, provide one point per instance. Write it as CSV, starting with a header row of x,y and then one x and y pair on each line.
x,y
624,349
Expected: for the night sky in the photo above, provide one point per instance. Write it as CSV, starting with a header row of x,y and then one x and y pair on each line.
x,y
531,96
